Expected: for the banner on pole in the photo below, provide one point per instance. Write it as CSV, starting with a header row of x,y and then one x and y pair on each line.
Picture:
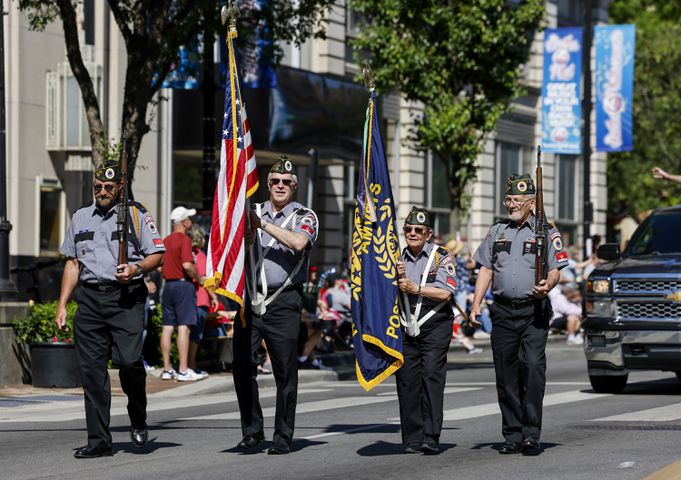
x,y
615,46
561,91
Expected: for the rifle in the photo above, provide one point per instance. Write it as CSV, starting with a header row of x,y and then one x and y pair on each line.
x,y
540,226
122,217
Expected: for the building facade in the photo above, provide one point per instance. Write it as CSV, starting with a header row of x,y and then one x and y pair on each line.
x,y
316,105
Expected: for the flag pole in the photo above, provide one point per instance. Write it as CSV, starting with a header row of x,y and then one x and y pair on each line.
x,y
231,13
371,85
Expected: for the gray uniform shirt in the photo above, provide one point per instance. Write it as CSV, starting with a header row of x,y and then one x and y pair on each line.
x,y
92,239
509,251
442,273
280,261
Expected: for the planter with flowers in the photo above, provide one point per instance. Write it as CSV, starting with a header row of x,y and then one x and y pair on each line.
x,y
53,354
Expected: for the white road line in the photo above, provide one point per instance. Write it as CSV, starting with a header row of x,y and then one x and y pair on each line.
x,y
351,430
66,411
321,405
657,414
493,408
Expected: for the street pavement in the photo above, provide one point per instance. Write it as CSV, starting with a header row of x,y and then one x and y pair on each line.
x,y
344,432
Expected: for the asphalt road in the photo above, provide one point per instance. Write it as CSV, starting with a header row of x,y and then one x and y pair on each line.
x,y
342,432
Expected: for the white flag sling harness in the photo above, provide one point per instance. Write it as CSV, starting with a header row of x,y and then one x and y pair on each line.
x,y
412,323
259,300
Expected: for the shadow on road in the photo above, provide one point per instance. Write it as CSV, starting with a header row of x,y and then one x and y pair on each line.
x,y
497,446
151,446
381,448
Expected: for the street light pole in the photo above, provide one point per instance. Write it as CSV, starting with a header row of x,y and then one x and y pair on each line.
x,y
586,148
8,291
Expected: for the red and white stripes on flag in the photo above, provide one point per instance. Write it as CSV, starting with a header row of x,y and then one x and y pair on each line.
x,y
237,180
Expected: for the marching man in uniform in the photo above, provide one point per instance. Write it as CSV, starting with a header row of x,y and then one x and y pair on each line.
x,y
111,297
507,259
426,275
281,237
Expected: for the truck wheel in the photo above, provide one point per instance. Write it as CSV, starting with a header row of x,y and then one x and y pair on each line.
x,y
608,383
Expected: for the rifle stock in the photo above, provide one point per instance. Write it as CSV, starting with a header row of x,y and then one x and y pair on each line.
x,y
122,217
540,225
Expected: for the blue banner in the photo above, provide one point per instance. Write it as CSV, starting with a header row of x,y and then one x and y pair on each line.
x,y
615,46
376,333
561,112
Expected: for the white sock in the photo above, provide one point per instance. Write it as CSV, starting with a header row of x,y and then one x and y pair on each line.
x,y
302,358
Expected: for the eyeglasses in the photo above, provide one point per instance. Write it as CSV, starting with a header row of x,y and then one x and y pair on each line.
x,y
511,201
276,181
105,186
416,230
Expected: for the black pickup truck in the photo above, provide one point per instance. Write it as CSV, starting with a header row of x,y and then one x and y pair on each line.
x,y
633,304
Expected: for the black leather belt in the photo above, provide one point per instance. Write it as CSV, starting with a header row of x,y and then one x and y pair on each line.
x,y
272,290
176,280
514,302
109,287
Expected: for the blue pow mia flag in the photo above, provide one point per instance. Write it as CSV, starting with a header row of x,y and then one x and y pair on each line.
x,y
376,335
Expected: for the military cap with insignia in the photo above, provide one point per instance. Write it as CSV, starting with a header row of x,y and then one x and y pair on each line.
x,y
283,165
520,185
419,216
108,172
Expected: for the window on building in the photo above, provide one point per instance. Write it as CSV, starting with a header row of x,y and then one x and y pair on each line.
x,y
89,21
566,188
511,158
571,12
50,219
437,195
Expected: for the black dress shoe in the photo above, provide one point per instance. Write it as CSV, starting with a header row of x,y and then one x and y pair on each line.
x,y
251,441
139,436
430,447
279,449
531,446
510,448
413,448
91,452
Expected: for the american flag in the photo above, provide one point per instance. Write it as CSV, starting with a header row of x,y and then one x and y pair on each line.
x,y
237,181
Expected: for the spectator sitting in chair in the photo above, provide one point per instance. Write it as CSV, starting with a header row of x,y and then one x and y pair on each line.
x,y
567,315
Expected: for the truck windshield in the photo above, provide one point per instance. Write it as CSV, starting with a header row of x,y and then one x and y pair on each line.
x,y
657,235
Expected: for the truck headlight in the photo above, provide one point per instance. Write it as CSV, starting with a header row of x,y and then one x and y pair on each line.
x,y
604,308
598,286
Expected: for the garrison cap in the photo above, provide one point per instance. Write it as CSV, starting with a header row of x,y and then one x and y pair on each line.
x,y
520,185
109,172
419,216
283,165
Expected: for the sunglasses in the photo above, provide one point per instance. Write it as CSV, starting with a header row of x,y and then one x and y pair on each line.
x,y
416,230
286,181
108,187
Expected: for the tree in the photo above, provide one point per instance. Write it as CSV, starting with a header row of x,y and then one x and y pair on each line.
x,y
657,103
153,32
462,60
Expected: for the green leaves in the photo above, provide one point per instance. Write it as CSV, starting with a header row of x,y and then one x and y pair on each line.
x,y
460,59
39,326
657,101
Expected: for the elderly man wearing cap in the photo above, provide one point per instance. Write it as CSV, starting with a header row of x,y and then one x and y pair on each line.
x,y
426,275
281,235
178,301
507,259
110,297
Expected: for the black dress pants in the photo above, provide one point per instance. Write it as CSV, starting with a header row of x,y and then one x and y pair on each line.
x,y
110,323
279,327
519,347
421,380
